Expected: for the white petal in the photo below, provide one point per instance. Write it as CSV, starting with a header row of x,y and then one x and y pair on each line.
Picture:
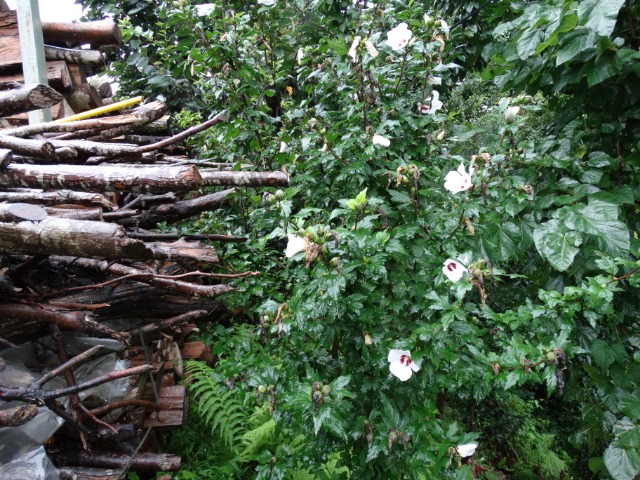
x,y
373,51
283,147
415,367
395,355
434,81
511,113
403,372
399,37
380,140
467,449
353,51
453,270
205,9
295,245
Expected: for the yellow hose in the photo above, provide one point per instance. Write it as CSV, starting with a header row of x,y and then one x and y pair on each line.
x,y
100,110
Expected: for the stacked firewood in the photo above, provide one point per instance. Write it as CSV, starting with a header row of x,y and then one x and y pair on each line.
x,y
79,254
69,64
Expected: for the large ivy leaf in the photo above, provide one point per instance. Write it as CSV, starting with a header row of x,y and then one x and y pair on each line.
x,y
622,463
558,247
599,15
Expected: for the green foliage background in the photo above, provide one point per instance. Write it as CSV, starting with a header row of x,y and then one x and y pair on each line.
x,y
533,353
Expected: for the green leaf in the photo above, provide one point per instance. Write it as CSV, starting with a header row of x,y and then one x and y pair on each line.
x,y
600,219
599,15
622,463
605,355
630,438
557,247
630,406
574,43
606,66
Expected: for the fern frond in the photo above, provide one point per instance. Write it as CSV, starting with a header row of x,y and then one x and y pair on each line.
x,y
255,440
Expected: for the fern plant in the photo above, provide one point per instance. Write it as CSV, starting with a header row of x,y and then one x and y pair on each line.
x,y
241,433
218,405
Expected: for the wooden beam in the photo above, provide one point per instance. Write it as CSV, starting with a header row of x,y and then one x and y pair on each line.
x,y
32,46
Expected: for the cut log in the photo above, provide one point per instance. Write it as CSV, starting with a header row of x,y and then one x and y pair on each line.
x,y
57,197
172,212
18,212
153,179
138,117
27,98
135,300
45,148
100,32
244,179
14,417
178,286
11,54
88,473
142,462
66,319
62,236
85,57
75,212
84,97
58,76
6,157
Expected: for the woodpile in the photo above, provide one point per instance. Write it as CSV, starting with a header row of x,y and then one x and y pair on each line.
x,y
92,296
68,65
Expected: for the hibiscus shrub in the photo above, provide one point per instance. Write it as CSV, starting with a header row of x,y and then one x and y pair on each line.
x,y
448,285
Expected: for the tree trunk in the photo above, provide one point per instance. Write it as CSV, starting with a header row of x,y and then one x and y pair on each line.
x,y
153,179
27,98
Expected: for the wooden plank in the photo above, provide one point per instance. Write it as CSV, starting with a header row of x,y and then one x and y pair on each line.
x,y
58,76
10,54
32,46
174,402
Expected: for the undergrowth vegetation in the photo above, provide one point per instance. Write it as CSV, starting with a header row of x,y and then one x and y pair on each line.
x,y
461,230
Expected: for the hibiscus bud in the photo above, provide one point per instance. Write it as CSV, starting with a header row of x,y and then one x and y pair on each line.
x,y
262,389
313,123
279,194
326,390
269,199
551,357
